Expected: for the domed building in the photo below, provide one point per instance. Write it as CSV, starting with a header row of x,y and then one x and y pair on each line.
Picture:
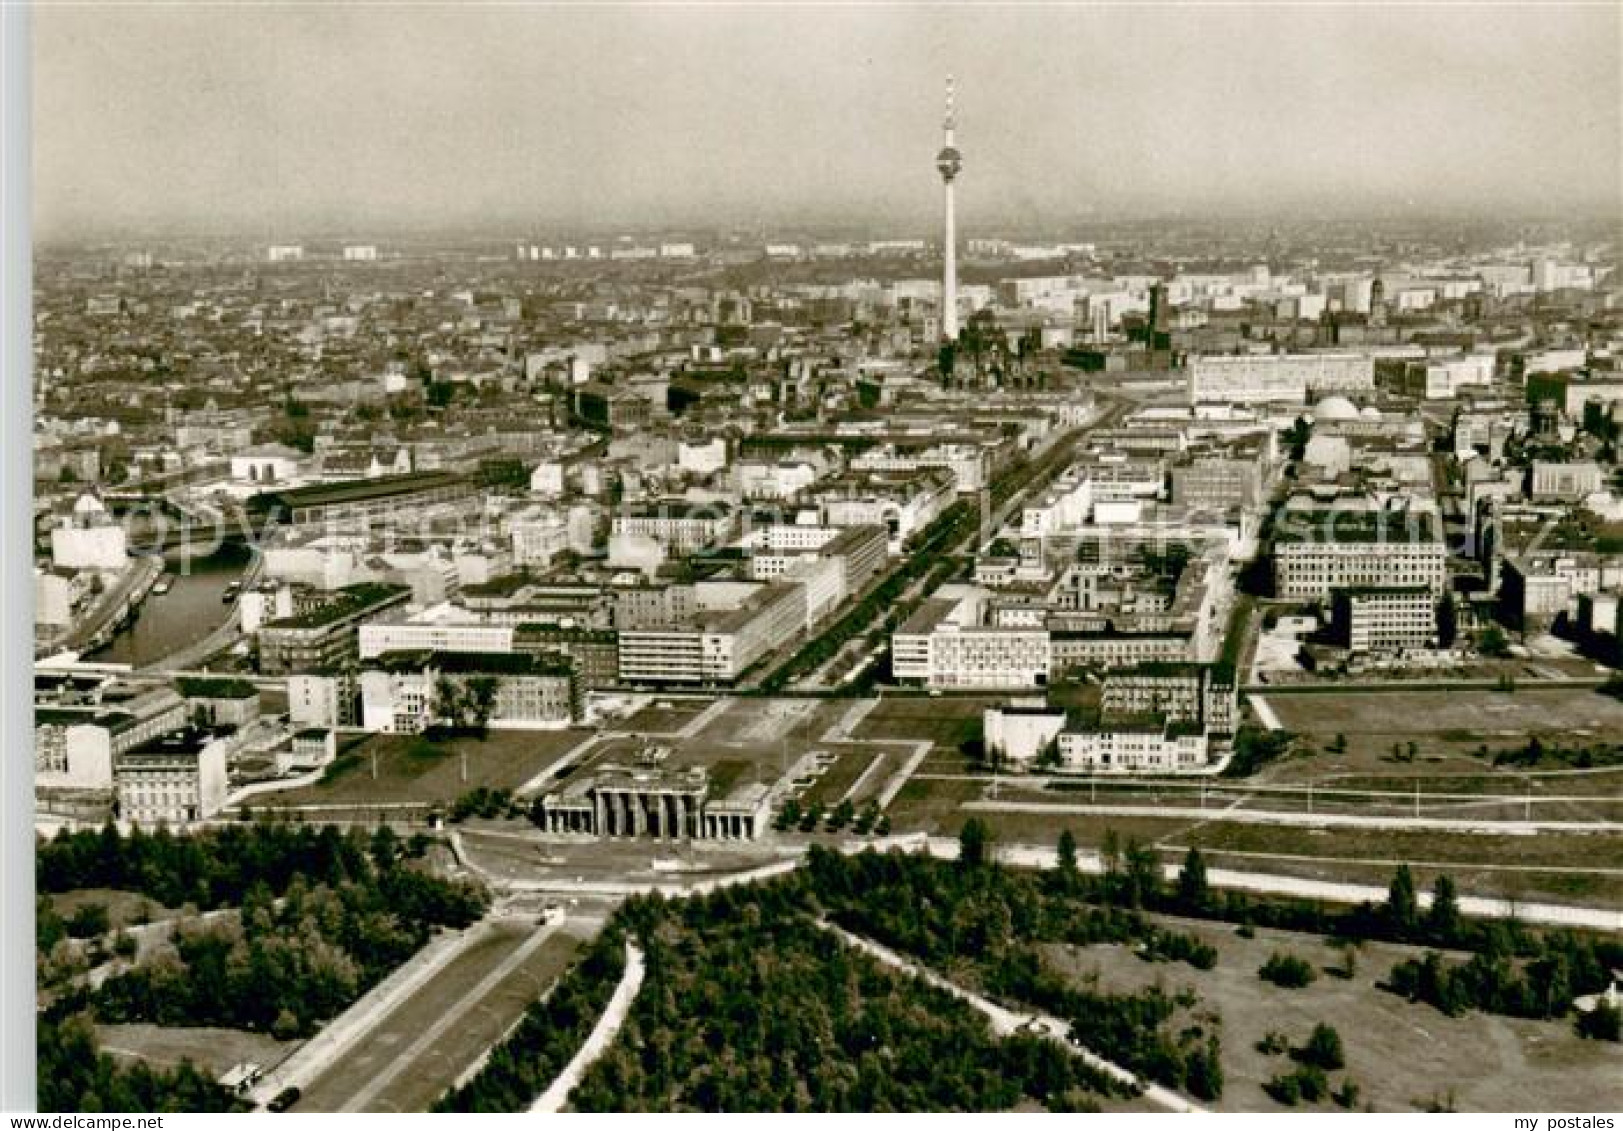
x,y
1334,409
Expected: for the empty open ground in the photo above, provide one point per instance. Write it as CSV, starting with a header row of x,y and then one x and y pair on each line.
x,y
1402,1055
1450,724
212,1050
664,716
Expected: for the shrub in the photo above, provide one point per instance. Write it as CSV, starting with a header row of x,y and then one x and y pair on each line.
x,y
1311,1083
1273,1043
1203,1071
1323,1049
1170,946
89,921
1284,1089
1287,971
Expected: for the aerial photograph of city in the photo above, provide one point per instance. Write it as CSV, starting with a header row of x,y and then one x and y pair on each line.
x,y
670,558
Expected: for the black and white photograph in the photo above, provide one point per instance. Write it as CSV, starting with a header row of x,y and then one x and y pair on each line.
x,y
812,558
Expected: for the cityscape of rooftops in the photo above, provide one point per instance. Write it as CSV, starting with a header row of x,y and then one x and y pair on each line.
x,y
577,550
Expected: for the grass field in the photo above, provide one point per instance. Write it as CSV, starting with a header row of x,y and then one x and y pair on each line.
x,y
124,908
413,769
1449,725
947,722
1403,1056
931,806
664,716
851,764
1505,797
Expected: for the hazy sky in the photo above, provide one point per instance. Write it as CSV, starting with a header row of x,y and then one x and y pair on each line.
x,y
275,119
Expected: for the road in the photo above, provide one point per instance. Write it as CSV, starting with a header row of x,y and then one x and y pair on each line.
x,y
601,1036
415,1051
110,607
1483,907
981,532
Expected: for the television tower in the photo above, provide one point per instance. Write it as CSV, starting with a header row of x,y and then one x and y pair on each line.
x,y
948,162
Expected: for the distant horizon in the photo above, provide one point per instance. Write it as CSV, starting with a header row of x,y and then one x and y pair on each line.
x,y
604,232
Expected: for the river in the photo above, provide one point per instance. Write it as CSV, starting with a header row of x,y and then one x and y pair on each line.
x,y
188,612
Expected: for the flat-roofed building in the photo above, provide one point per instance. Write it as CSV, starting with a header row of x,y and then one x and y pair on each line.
x,y
595,651
324,699
681,527
326,636
1320,549
730,628
1220,480
408,692
948,643
1565,482
1151,748
1385,619
1020,731
219,700
365,502
174,780
903,503
1202,694
1286,378
76,745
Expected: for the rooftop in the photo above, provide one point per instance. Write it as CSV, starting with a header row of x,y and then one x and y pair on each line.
x,y
475,663
354,600
354,490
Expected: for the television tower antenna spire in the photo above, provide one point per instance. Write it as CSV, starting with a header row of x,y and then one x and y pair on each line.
x,y
948,163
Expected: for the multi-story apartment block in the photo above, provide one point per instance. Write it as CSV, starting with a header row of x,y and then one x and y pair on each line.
x,y
326,635
949,643
679,526
730,628
1277,378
